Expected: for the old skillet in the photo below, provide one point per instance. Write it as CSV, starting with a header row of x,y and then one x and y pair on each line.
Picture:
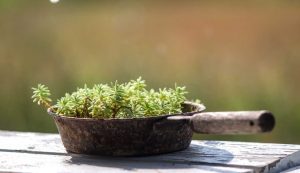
x,y
157,134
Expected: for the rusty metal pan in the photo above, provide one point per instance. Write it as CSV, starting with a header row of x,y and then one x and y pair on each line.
x,y
155,134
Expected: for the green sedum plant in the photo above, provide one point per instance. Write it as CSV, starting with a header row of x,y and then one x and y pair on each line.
x,y
117,100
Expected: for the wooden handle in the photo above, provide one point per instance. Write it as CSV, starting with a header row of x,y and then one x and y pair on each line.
x,y
244,122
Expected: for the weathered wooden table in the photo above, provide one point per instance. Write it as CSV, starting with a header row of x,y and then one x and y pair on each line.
x,y
38,152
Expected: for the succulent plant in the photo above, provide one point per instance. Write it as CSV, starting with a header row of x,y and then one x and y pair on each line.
x,y
115,100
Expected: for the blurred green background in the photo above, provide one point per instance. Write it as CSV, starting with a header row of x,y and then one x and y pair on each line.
x,y
238,55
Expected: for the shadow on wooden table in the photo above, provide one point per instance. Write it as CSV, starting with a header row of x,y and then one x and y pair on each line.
x,y
194,157
37,152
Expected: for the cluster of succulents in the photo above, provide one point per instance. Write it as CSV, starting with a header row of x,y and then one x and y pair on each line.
x,y
117,100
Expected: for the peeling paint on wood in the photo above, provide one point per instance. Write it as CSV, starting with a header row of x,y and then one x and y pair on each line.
x,y
27,152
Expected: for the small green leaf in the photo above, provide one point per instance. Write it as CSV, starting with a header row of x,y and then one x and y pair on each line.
x,y
117,100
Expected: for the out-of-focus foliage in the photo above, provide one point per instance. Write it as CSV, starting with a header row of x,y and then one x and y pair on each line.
x,y
234,55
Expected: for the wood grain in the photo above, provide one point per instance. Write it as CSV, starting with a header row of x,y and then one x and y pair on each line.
x,y
29,162
36,151
239,122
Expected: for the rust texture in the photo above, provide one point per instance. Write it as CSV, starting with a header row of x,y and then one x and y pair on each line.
x,y
126,137
157,134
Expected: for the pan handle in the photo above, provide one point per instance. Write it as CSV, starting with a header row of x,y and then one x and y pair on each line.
x,y
243,122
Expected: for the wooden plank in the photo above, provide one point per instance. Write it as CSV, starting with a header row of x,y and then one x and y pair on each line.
x,y
30,162
257,156
293,170
31,142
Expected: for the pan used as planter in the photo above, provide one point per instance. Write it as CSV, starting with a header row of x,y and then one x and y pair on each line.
x,y
156,134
